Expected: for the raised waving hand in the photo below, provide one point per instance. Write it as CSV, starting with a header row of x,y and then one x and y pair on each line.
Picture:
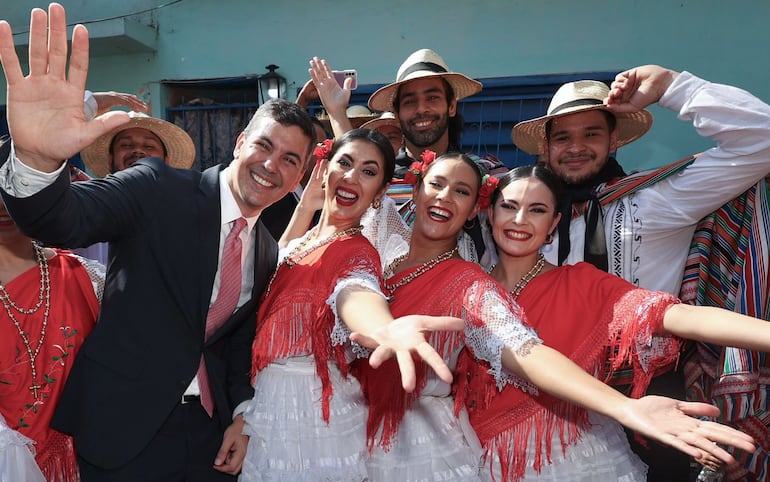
x,y
45,107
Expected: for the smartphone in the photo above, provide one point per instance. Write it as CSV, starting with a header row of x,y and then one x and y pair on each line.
x,y
341,75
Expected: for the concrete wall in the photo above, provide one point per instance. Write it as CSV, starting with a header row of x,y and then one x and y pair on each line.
x,y
721,41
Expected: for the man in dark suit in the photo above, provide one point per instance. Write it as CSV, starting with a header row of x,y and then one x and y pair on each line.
x,y
134,401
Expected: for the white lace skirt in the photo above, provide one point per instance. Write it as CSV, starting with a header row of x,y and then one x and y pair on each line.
x,y
17,462
431,445
289,440
601,455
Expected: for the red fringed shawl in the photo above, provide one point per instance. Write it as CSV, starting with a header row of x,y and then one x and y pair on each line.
x,y
294,319
452,288
599,321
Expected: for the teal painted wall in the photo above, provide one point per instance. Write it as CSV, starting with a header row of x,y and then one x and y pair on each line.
x,y
721,41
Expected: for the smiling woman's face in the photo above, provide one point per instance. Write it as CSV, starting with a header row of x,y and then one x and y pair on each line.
x,y
523,215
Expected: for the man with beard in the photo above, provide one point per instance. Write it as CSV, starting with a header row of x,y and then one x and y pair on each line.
x,y
640,227
424,99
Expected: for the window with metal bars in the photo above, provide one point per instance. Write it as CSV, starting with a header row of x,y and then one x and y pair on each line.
x,y
215,111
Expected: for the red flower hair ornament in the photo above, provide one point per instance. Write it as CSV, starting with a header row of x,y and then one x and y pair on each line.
x,y
323,150
488,185
417,168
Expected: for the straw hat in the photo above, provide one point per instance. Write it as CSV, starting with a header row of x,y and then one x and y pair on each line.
x,y
357,115
583,95
385,119
421,64
180,149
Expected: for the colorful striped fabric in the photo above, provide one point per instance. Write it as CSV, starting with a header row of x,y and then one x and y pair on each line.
x,y
728,267
623,186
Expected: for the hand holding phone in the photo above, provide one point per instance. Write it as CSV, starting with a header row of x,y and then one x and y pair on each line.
x,y
341,75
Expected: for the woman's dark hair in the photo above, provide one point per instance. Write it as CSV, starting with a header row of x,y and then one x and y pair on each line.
x,y
456,155
553,183
378,140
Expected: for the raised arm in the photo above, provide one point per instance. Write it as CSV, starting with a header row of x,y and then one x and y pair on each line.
x,y
45,108
335,99
312,200
637,88
717,326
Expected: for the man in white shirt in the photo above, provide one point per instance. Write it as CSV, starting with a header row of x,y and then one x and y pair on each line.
x,y
644,234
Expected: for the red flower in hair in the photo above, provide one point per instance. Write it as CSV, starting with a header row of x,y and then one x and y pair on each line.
x,y
323,149
488,185
427,157
413,173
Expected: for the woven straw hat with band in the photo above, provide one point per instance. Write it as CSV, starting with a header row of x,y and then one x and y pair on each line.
x,y
385,119
356,114
580,96
180,150
422,64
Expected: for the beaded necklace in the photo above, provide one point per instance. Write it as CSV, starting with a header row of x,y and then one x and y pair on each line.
x,y
528,276
426,266
297,254
44,298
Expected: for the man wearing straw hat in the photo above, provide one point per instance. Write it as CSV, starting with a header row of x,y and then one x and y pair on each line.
x,y
640,227
143,136
424,99
387,125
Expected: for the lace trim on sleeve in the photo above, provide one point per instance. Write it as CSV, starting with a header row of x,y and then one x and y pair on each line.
x,y
340,334
97,272
639,317
495,322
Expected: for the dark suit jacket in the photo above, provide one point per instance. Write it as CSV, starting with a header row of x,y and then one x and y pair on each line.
x,y
163,226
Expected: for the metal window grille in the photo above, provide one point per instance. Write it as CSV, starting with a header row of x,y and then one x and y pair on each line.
x,y
488,116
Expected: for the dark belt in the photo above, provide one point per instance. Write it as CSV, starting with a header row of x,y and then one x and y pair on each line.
x,y
191,399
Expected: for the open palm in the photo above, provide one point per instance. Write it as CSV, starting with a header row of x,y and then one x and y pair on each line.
x,y
45,108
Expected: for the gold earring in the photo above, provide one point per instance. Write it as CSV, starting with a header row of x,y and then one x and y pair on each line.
x,y
376,204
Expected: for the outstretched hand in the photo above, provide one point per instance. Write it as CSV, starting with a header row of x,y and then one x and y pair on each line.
x,y
334,98
637,88
673,423
45,108
404,336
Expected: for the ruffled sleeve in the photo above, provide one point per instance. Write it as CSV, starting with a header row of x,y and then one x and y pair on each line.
x,y
358,266
636,327
340,332
494,321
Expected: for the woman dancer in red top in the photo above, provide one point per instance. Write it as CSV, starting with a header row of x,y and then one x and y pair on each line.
x,y
601,322
419,437
49,305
